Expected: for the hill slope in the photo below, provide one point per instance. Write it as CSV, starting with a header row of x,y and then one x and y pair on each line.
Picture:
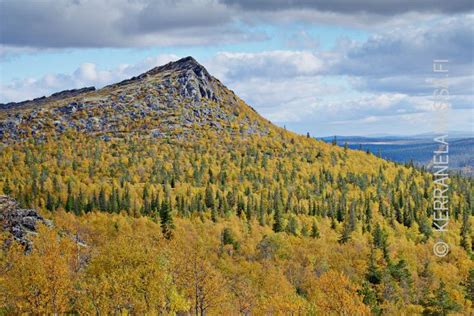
x,y
175,184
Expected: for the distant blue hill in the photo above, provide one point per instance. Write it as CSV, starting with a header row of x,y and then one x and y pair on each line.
x,y
418,149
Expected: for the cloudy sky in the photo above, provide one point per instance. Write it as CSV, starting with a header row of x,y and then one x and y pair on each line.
x,y
328,67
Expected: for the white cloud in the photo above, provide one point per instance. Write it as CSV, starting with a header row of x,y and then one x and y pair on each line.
x,y
269,64
356,82
87,74
139,23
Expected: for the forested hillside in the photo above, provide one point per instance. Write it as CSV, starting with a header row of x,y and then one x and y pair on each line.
x,y
184,199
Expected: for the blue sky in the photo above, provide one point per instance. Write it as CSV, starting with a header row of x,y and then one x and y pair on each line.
x,y
327,67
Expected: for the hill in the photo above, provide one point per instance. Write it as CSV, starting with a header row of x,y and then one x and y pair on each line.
x,y
180,99
186,200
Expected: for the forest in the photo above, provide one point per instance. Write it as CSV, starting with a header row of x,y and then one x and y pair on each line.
x,y
277,224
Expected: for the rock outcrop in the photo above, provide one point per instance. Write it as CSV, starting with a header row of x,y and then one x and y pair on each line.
x,y
20,223
174,101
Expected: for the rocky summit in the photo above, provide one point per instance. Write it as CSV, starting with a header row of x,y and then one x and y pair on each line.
x,y
179,99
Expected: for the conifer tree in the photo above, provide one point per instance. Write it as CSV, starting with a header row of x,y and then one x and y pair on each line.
x,y
209,197
314,230
69,205
292,226
374,275
441,303
466,231
50,205
166,219
346,233
304,231
277,221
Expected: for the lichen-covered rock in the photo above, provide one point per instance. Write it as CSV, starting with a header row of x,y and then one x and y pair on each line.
x,y
20,223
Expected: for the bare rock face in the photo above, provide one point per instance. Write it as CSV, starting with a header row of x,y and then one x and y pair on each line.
x,y
19,222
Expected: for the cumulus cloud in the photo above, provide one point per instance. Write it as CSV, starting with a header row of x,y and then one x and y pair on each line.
x,y
117,23
367,82
410,50
87,74
139,23
269,64
349,6
294,86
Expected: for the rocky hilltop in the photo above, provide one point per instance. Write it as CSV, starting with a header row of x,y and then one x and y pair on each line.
x,y
179,99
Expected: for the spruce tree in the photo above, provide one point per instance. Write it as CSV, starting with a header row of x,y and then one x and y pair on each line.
x,y
441,303
277,221
69,205
314,230
209,197
166,219
292,226
466,231
346,233
50,205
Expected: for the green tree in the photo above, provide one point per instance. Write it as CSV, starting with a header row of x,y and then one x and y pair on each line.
x,y
314,230
209,197
166,219
441,303
292,226
466,231
277,221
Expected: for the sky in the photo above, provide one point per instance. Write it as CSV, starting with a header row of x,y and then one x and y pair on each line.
x,y
326,67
